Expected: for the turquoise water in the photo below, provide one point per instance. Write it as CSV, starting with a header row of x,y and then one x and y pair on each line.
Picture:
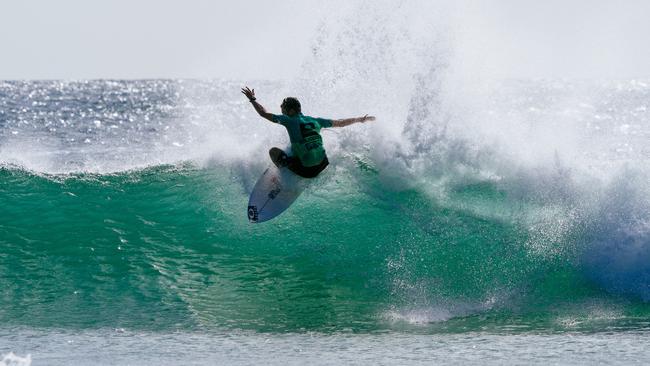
x,y
169,248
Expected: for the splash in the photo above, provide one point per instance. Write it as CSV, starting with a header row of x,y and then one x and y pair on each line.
x,y
11,359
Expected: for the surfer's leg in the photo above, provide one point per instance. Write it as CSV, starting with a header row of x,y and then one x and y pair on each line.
x,y
279,157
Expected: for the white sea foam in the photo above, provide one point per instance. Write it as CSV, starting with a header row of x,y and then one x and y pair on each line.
x,y
11,359
436,313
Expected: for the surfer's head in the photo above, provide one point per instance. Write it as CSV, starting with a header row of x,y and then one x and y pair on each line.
x,y
290,106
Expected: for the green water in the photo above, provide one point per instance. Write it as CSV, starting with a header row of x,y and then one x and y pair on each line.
x,y
169,247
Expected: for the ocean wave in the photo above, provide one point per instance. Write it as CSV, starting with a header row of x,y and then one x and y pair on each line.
x,y
107,249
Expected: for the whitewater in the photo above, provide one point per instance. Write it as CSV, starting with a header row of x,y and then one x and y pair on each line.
x,y
477,220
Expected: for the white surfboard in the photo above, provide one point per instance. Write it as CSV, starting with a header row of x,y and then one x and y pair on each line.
x,y
273,193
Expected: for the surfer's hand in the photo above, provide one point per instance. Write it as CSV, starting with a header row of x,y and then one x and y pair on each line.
x,y
366,118
250,94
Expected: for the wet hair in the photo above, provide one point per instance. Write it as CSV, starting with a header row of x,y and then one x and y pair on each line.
x,y
291,103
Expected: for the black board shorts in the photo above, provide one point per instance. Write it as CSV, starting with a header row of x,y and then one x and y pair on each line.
x,y
307,171
280,158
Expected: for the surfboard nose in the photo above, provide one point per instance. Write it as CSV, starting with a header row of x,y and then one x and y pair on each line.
x,y
253,215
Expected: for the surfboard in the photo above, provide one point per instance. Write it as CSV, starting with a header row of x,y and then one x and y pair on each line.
x,y
273,193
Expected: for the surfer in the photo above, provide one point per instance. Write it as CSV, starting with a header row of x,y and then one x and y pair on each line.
x,y
309,157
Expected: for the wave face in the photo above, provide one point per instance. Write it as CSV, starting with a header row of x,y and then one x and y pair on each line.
x,y
170,246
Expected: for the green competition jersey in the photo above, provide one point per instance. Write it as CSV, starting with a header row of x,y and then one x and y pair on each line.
x,y
304,134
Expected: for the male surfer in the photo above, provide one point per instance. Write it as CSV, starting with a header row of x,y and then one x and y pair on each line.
x,y
309,158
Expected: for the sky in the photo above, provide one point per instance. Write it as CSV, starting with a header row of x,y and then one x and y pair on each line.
x,y
260,39
556,38
80,39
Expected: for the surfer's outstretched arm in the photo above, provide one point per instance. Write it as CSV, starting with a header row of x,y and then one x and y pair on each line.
x,y
250,94
348,121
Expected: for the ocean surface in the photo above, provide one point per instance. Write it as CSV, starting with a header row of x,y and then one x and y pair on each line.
x,y
125,238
